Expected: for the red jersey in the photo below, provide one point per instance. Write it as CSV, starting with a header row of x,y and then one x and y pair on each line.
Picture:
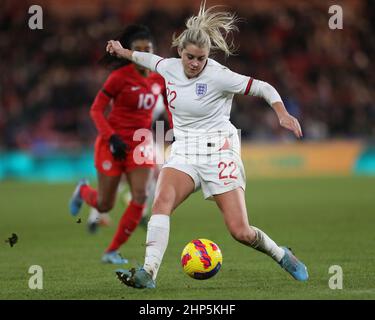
x,y
134,98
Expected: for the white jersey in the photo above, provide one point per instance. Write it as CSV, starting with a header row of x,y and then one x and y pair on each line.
x,y
202,103
201,106
207,146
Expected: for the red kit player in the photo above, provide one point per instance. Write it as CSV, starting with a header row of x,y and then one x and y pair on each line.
x,y
133,91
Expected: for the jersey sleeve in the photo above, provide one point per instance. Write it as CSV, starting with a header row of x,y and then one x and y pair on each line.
x,y
97,115
110,90
150,61
161,66
146,59
232,82
113,85
264,90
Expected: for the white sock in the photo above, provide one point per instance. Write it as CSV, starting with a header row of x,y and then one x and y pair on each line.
x,y
156,242
265,244
94,216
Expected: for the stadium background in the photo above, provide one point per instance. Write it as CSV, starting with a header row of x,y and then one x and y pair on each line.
x,y
49,78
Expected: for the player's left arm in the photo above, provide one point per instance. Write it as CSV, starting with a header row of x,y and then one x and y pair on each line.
x,y
235,83
266,91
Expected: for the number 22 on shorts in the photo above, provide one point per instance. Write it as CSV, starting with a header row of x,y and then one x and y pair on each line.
x,y
227,170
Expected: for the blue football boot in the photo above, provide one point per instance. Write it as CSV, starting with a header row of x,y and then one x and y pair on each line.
x,y
113,257
292,265
76,201
136,278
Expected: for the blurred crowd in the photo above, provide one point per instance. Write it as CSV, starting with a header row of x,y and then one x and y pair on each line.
x,y
50,77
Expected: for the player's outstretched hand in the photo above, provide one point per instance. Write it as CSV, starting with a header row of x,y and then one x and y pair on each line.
x,y
115,48
117,147
291,123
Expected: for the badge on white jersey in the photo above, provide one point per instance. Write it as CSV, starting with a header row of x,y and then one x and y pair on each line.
x,y
201,89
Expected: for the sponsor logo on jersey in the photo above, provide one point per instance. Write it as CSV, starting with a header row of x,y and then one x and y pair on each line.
x,y
135,88
201,89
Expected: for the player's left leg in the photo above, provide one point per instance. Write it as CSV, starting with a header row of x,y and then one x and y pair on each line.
x,y
233,207
76,201
101,199
96,219
138,180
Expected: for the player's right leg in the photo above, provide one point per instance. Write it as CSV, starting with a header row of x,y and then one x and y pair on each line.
x,y
173,187
138,179
107,191
106,196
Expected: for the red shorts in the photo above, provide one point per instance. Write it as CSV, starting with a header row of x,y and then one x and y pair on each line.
x,y
139,154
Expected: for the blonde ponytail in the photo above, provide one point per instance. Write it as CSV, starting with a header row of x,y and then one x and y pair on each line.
x,y
208,29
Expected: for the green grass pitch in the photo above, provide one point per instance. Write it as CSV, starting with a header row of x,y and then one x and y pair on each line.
x,y
326,221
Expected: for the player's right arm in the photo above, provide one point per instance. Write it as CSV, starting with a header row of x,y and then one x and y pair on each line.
x,y
145,59
108,92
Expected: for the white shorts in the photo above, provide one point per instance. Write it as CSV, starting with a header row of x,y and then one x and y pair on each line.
x,y
215,173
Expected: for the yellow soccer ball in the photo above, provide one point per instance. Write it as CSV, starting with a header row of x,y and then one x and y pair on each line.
x,y
201,259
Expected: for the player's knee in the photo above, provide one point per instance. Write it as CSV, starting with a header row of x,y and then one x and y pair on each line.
x,y
104,206
163,203
242,234
139,196
237,235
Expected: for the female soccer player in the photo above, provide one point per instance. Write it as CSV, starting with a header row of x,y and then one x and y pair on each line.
x,y
206,151
133,91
